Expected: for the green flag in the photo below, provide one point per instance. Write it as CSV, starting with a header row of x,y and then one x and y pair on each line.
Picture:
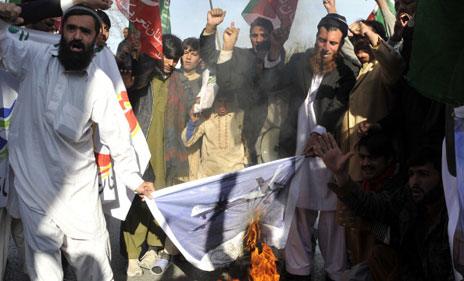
x,y
165,16
437,59
377,15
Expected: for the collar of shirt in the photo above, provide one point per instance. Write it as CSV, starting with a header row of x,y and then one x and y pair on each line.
x,y
367,67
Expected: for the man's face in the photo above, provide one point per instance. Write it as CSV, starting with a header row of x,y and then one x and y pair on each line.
x,y
371,166
169,65
103,35
259,38
363,56
125,32
328,43
423,180
77,42
190,59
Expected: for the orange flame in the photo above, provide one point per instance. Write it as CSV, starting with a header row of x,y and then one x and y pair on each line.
x,y
263,261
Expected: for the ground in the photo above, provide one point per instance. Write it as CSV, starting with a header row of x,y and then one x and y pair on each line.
x,y
180,271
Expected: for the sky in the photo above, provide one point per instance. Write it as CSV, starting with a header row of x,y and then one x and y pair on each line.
x,y
188,18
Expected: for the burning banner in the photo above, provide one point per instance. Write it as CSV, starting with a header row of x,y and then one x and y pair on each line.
x,y
263,261
208,219
280,12
116,198
151,18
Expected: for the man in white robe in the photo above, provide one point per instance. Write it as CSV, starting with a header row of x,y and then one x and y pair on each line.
x,y
320,80
64,97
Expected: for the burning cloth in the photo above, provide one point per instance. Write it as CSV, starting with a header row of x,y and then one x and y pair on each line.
x,y
207,219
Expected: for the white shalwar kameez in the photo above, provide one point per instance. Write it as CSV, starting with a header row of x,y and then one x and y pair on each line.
x,y
52,156
314,196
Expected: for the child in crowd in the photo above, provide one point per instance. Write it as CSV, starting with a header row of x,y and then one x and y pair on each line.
x,y
222,147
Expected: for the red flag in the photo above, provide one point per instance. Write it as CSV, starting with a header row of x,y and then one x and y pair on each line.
x,y
145,16
377,15
280,12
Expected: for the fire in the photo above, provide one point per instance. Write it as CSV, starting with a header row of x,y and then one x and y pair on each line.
x,y
263,261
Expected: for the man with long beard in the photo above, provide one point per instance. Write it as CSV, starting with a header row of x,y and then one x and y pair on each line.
x,y
321,81
64,97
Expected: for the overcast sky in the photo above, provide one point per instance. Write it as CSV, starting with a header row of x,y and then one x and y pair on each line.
x,y
188,17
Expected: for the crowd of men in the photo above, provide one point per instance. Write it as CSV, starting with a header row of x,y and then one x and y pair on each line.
x,y
370,188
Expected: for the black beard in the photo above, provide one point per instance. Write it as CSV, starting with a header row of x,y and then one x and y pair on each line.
x,y
73,61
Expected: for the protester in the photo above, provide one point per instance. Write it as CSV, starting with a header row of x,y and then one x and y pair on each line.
x,y
124,42
127,56
321,81
125,33
239,71
55,150
378,166
10,218
393,230
406,120
416,213
161,99
191,64
220,133
373,96
104,30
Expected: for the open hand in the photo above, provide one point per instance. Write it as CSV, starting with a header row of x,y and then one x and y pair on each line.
x,y
329,151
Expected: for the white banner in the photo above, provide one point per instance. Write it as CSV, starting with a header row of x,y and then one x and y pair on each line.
x,y
206,219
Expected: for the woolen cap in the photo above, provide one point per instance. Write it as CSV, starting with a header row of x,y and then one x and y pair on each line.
x,y
334,21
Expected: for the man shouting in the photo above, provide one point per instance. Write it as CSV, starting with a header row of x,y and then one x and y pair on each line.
x,y
63,98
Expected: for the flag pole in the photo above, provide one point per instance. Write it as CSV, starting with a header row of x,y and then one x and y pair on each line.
x,y
211,4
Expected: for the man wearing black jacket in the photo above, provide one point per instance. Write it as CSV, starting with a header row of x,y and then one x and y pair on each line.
x,y
416,213
239,71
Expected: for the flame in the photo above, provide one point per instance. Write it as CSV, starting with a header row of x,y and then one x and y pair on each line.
x,y
263,261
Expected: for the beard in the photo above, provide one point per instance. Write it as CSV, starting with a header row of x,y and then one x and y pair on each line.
x,y
319,65
75,61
